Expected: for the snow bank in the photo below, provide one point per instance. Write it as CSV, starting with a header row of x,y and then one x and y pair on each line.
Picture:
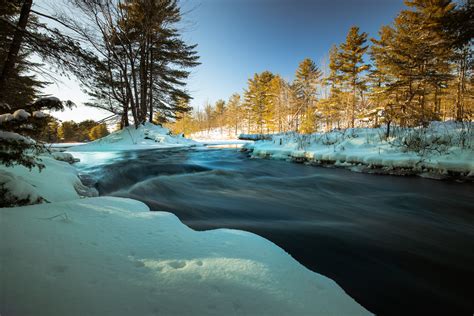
x,y
441,149
111,256
15,190
62,156
130,138
58,181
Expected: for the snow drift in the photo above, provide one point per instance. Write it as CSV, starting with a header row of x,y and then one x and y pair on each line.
x,y
111,256
146,136
57,181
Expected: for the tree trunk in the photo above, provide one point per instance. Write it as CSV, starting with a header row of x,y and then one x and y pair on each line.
x,y
150,92
387,135
354,100
461,88
9,64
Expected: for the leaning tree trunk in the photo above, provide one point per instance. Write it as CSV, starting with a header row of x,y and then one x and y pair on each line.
x,y
9,63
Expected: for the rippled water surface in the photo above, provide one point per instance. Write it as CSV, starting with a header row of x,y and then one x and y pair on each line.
x,y
397,245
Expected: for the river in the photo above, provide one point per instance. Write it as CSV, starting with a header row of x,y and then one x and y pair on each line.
x,y
398,245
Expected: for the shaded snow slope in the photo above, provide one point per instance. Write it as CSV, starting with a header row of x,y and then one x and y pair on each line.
x,y
442,148
58,181
111,256
130,138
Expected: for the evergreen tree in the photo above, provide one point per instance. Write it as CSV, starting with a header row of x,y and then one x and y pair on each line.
x,y
144,61
98,131
234,111
280,94
458,26
305,84
351,65
220,114
258,100
412,57
331,107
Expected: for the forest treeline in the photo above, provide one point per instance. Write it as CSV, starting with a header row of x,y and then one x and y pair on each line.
x,y
128,56
70,131
418,69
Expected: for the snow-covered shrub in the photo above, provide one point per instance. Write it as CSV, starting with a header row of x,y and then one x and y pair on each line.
x,y
18,149
438,137
15,191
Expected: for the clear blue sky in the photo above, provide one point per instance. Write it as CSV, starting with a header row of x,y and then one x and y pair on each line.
x,y
237,38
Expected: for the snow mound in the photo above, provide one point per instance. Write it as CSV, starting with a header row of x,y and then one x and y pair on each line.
x,y
441,148
21,115
62,156
6,117
15,190
130,138
111,256
39,114
58,181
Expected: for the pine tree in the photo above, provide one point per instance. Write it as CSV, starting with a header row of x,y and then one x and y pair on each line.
x,y
144,63
413,58
305,88
234,111
258,101
458,27
280,96
351,66
98,131
331,107
21,34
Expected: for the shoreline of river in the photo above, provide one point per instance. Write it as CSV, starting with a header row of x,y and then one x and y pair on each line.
x,y
420,171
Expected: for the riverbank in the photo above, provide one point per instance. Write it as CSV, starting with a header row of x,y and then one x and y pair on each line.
x,y
59,254
443,150
145,136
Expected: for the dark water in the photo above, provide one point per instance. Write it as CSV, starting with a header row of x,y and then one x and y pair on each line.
x,y
397,245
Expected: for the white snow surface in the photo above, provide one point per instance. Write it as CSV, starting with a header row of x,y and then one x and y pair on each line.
x,y
11,136
6,117
216,134
112,256
441,148
62,156
130,138
21,114
17,189
39,114
58,181
64,145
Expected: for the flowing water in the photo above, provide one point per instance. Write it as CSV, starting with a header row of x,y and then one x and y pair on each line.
x,y
398,245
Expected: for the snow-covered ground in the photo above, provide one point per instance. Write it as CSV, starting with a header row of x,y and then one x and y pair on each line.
x,y
64,145
58,181
441,149
214,135
112,256
146,136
